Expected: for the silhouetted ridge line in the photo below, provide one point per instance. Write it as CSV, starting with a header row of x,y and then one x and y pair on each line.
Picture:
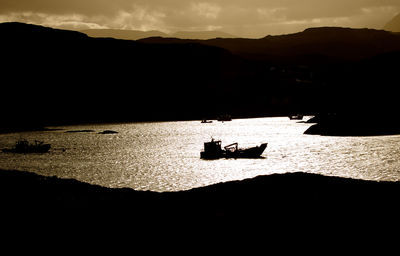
x,y
137,34
201,35
337,43
53,76
122,34
22,30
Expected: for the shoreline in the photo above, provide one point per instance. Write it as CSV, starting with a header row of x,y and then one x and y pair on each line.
x,y
54,126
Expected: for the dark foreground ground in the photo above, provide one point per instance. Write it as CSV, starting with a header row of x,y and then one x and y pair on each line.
x,y
284,196
289,212
281,213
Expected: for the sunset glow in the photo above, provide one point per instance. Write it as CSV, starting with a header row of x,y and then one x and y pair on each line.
x,y
251,18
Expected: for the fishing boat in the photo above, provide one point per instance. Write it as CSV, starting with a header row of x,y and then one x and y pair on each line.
x,y
224,118
213,150
24,147
296,117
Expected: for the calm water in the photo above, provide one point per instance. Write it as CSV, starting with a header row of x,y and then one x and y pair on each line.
x,y
164,156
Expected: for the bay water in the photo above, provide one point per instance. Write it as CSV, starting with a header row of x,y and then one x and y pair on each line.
x,y
165,156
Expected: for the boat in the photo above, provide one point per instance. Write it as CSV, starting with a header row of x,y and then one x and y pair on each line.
x,y
205,121
224,118
296,117
24,147
213,150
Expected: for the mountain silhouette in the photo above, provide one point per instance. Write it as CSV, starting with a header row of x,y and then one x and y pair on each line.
x,y
311,45
137,34
202,35
123,34
52,76
394,24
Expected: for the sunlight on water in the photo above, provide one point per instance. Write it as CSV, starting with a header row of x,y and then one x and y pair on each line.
x,y
165,156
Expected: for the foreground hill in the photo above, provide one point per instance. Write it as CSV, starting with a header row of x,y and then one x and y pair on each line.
x,y
276,195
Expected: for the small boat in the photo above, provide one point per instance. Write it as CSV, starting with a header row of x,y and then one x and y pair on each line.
x,y
296,117
205,121
224,118
24,147
213,150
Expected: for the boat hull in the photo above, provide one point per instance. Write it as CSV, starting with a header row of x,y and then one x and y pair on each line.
x,y
253,152
297,117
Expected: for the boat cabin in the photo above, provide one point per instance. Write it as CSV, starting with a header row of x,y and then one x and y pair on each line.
x,y
212,149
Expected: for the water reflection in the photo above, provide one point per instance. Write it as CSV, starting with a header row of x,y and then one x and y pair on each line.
x,y
166,156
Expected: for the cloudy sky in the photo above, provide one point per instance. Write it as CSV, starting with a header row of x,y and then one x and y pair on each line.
x,y
245,18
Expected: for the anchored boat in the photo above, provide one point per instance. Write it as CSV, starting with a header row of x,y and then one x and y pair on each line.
x,y
224,118
23,146
296,117
213,150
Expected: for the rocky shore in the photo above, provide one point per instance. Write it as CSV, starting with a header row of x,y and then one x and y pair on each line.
x,y
353,125
291,197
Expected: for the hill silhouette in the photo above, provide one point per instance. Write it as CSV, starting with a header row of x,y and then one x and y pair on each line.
x,y
361,99
59,76
204,35
345,75
137,34
53,76
394,24
314,199
123,34
313,45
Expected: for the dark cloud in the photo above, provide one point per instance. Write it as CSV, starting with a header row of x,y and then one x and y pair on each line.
x,y
241,17
86,7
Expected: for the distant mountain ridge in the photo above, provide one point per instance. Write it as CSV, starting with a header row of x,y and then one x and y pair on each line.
x,y
202,35
311,45
137,34
394,24
123,34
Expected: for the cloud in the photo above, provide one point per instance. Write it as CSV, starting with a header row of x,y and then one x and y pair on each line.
x,y
86,7
206,10
138,18
73,21
248,18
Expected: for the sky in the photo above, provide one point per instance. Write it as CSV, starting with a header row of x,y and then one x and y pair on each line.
x,y
243,18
